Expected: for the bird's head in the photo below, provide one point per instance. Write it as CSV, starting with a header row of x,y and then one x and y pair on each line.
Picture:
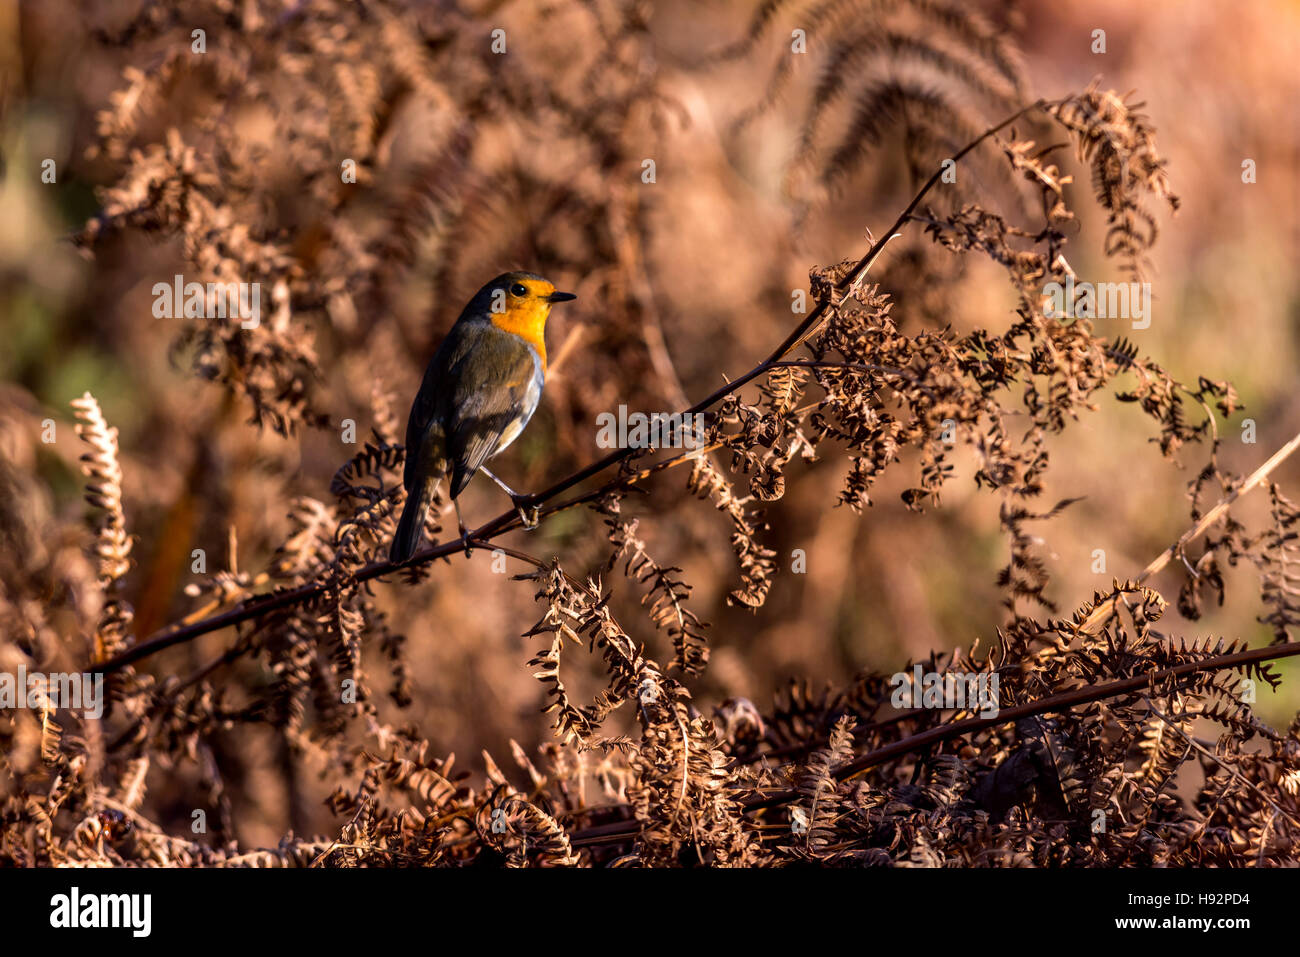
x,y
520,302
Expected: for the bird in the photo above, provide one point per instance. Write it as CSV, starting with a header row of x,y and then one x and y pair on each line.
x,y
479,391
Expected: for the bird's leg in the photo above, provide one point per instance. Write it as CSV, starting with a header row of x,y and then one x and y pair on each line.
x,y
464,532
517,500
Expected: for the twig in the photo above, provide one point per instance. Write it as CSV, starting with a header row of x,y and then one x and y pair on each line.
x,y
925,739
1103,612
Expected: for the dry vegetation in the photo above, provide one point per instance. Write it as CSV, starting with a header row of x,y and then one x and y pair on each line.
x,y
289,688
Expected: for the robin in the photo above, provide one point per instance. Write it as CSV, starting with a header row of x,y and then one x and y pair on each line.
x,y
479,391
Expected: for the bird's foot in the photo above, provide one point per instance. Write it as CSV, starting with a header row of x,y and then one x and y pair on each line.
x,y
529,515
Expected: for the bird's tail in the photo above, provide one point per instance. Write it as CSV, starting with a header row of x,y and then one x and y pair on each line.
x,y
411,525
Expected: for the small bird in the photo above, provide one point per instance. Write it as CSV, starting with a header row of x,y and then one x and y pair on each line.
x,y
479,391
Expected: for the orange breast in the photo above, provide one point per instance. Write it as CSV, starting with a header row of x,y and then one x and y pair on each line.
x,y
528,322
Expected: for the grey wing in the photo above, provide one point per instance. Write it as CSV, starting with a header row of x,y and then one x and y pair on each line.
x,y
483,411
424,426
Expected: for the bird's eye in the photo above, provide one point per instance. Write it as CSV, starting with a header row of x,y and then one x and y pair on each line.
x,y
519,289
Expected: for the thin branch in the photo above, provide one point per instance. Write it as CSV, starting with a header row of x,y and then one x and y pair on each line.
x,y
925,739
1103,612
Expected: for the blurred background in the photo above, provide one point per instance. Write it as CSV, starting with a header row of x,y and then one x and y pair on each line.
x,y
226,163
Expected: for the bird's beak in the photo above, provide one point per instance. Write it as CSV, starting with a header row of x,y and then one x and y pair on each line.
x,y
560,297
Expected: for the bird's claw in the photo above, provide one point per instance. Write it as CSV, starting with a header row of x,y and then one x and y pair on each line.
x,y
523,508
